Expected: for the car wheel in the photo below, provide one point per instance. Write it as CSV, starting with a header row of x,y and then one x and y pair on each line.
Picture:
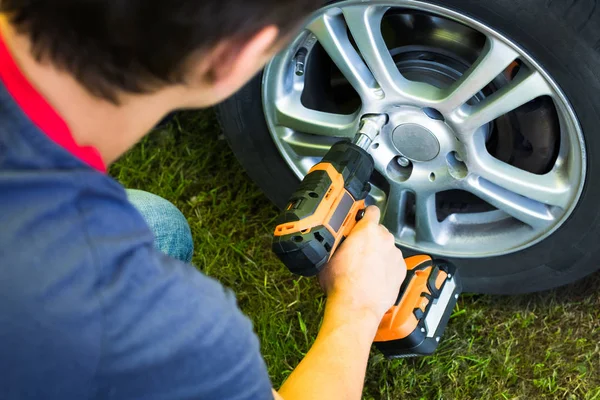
x,y
488,159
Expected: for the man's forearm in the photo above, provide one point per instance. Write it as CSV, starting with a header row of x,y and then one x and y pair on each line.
x,y
335,366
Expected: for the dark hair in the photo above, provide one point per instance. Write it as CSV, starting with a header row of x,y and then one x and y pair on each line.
x,y
140,45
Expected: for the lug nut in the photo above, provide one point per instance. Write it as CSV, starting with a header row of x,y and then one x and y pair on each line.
x,y
300,61
458,157
403,162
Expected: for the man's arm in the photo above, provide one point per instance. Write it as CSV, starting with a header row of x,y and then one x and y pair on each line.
x,y
334,368
362,281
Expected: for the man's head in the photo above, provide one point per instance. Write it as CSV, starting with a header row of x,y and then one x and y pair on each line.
x,y
115,47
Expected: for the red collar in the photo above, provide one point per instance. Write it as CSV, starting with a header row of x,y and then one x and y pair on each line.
x,y
40,112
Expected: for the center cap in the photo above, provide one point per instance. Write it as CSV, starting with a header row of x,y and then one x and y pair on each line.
x,y
415,142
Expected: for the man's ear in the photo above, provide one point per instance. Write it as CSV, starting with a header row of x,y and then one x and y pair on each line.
x,y
232,62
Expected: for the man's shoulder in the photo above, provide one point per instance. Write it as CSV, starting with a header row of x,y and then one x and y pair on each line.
x,y
51,256
76,230
51,319
44,223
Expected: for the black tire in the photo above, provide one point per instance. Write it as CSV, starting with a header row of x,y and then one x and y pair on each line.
x,y
564,37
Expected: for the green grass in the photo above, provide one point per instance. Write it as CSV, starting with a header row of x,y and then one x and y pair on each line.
x,y
525,347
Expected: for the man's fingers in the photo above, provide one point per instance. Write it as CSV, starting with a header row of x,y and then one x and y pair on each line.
x,y
372,215
370,219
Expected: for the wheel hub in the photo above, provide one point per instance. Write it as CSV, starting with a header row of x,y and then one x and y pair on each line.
x,y
415,142
416,136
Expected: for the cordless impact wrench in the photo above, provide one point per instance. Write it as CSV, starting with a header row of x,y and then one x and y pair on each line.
x,y
323,211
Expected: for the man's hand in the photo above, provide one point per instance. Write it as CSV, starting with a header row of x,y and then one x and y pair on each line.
x,y
362,282
366,272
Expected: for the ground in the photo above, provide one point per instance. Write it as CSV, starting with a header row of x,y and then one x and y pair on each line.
x,y
525,347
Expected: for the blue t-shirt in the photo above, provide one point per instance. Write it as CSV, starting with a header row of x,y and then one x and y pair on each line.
x,y
88,308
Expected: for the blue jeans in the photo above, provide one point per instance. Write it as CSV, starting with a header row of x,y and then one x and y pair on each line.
x,y
171,230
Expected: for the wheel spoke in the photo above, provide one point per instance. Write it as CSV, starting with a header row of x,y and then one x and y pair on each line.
x,y
332,34
306,145
395,211
377,197
551,188
292,114
364,23
531,212
524,88
494,59
427,227
382,157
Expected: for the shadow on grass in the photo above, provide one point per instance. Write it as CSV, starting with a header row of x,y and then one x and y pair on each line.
x,y
584,290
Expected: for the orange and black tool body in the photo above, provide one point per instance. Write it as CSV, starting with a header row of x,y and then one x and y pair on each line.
x,y
416,322
324,209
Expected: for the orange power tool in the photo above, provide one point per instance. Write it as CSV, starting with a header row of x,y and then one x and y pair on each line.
x,y
321,214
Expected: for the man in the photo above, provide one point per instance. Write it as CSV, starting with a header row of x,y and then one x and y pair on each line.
x,y
88,307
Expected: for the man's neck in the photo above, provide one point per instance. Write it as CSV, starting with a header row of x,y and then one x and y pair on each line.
x,y
94,122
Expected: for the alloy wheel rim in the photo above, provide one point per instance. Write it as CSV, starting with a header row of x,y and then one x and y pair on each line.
x,y
438,137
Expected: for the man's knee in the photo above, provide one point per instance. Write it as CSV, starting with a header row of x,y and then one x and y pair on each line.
x,y
171,230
